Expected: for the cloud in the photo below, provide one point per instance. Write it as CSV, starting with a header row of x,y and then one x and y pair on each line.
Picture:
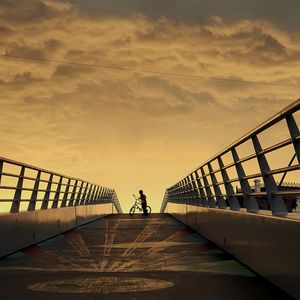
x,y
32,11
284,13
22,49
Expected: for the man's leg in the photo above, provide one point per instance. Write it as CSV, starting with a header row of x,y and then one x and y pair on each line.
x,y
144,207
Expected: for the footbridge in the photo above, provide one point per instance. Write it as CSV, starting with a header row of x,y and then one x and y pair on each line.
x,y
228,229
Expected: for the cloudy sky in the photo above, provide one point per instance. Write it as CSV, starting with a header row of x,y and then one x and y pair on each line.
x,y
130,130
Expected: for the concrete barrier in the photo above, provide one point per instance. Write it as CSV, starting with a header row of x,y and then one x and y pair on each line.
x,y
21,230
269,245
88,213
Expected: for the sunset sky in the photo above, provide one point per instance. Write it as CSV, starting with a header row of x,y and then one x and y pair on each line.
x,y
131,130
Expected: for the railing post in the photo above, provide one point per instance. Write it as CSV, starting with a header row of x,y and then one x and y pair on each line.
x,y
295,134
33,198
98,194
66,194
220,200
189,190
83,199
181,196
211,200
102,194
57,193
108,194
196,195
250,202
47,193
88,199
71,202
201,189
15,207
186,191
277,203
105,194
77,201
178,194
170,196
93,195
111,195
1,170
165,201
233,202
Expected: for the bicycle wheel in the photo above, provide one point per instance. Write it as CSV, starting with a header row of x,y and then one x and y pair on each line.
x,y
132,210
148,208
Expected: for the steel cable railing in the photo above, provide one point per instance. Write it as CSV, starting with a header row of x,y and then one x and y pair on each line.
x,y
27,188
212,185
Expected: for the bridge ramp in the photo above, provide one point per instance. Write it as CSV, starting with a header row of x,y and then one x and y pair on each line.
x,y
123,257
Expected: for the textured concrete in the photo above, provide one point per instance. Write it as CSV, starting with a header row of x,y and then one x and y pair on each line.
x,y
27,228
122,257
268,244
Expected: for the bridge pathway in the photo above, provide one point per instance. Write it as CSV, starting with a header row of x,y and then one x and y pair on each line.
x,y
122,257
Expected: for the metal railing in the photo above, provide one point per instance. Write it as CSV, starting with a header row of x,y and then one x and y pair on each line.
x,y
27,188
212,185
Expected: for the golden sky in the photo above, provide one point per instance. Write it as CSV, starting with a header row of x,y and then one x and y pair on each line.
x,y
131,130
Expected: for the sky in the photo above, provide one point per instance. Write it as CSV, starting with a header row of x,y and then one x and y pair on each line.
x,y
132,130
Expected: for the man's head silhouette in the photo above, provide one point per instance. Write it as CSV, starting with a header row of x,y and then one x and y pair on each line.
x,y
141,192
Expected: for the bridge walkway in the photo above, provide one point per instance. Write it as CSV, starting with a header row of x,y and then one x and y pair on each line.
x,y
122,257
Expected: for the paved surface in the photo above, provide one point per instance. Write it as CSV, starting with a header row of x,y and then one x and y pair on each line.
x,y
122,257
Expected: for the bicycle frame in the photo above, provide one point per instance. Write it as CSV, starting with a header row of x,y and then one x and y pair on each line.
x,y
138,205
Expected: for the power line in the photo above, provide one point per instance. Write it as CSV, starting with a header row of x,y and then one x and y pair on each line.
x,y
117,68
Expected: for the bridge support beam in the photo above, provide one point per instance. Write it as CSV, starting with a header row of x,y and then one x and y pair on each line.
x,y
211,200
295,135
220,200
57,193
15,207
278,206
201,190
250,202
33,198
232,200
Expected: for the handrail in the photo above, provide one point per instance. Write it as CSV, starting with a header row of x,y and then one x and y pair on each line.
x,y
50,192
205,188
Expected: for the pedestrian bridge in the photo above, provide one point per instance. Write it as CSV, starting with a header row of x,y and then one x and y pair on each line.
x,y
218,236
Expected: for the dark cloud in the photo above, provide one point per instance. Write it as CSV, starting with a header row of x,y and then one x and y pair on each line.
x,y
284,13
271,44
53,44
123,41
31,10
158,106
22,49
71,71
4,31
26,77
171,100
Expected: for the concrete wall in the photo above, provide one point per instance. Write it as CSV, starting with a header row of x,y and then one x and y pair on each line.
x,y
267,244
24,229
88,213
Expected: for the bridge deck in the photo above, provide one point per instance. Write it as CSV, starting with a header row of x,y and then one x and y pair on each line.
x,y
122,257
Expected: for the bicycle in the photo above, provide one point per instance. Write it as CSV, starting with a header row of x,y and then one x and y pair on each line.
x,y
138,205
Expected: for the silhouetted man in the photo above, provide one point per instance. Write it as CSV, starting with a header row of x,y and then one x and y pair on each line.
x,y
143,202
